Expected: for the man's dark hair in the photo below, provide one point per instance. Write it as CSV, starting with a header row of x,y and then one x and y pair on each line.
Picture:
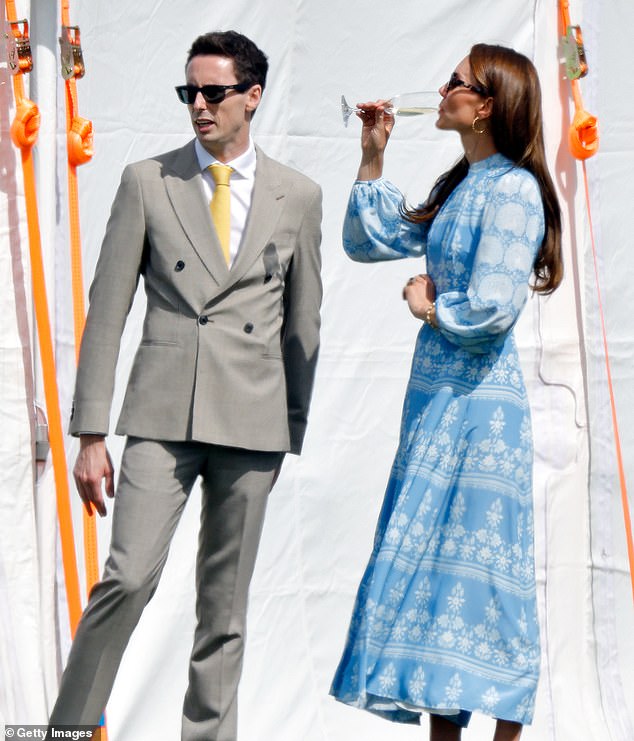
x,y
249,62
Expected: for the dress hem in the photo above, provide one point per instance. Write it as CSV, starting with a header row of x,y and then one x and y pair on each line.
x,y
403,711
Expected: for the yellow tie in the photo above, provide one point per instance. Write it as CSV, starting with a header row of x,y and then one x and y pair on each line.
x,y
220,206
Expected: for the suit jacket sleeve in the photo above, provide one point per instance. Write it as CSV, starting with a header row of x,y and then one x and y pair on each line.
x,y
302,299
111,295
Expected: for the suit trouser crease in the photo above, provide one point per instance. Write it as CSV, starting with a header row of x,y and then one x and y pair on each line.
x,y
223,575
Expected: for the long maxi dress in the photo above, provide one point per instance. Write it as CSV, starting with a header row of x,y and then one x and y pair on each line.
x,y
445,618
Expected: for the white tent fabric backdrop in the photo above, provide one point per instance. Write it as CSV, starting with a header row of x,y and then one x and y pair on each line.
x,y
322,513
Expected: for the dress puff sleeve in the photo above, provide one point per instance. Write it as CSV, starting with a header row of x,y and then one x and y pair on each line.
x,y
512,230
374,229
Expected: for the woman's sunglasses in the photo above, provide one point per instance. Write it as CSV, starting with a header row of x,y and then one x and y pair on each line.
x,y
455,81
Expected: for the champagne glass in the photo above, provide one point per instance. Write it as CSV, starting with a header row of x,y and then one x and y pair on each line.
x,y
404,104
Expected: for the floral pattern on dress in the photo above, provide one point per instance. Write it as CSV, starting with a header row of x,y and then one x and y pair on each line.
x,y
445,617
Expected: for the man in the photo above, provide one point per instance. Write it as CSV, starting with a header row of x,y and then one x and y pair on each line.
x,y
220,385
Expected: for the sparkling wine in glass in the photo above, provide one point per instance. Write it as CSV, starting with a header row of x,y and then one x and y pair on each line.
x,y
404,104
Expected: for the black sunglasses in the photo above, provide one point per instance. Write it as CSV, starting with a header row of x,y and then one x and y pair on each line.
x,y
455,81
211,93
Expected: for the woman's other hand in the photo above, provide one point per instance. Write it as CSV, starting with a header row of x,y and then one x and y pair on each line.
x,y
420,294
375,133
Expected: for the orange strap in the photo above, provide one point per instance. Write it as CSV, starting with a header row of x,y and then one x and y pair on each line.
x,y
79,149
583,134
583,139
24,131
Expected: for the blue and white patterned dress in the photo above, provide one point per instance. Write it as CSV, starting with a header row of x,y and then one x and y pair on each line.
x,y
445,618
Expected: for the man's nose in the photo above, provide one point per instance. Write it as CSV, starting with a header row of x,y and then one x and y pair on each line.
x,y
199,101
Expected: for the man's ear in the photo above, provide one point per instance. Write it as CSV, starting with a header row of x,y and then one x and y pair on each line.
x,y
254,96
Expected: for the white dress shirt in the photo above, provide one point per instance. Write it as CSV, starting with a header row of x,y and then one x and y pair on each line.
x,y
241,183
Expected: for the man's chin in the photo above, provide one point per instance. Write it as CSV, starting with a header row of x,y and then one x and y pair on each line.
x,y
207,141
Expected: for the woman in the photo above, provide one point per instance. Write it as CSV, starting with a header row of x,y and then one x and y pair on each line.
x,y
445,619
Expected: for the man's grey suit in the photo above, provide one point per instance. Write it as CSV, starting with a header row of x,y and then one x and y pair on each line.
x,y
227,356
220,388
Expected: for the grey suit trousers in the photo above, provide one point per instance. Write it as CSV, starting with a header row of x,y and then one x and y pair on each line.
x,y
155,481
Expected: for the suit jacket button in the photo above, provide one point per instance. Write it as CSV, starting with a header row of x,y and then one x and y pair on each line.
x,y
248,328
179,266
203,319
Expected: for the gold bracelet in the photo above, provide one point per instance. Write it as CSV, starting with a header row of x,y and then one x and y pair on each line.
x,y
428,316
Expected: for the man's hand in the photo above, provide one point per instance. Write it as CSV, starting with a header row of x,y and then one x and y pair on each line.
x,y
92,465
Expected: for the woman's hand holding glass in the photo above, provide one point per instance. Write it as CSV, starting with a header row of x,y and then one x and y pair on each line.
x,y
375,133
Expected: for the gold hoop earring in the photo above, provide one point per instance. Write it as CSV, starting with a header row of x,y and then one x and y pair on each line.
x,y
474,127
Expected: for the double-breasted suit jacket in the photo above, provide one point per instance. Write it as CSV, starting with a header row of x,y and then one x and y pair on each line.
x,y
227,356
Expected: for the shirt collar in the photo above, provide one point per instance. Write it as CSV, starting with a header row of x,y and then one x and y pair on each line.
x,y
243,165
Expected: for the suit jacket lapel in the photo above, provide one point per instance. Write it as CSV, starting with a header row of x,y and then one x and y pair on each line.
x,y
266,206
185,191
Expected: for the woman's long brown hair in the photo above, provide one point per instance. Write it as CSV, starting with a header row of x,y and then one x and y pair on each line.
x,y
517,129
